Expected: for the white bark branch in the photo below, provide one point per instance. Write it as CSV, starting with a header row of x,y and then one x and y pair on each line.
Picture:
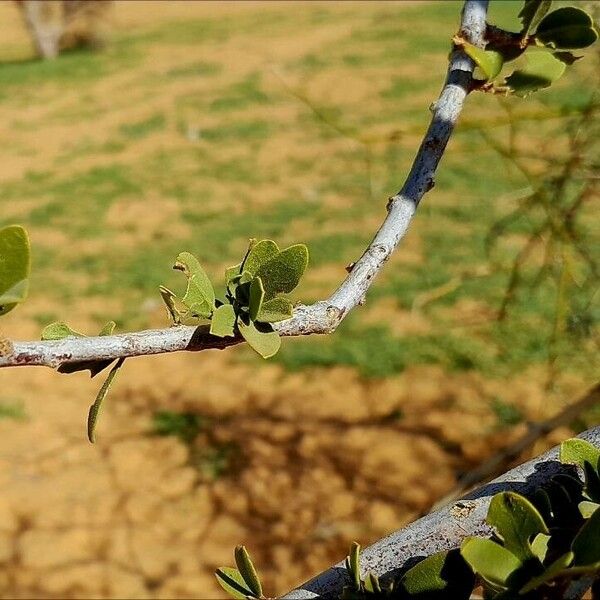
x,y
324,316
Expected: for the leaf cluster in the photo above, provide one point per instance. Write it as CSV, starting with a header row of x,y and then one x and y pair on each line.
x,y
255,294
543,47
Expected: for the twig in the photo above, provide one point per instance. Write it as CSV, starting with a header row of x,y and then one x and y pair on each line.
x,y
324,316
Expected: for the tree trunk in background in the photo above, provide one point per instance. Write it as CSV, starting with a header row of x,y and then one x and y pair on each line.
x,y
58,24
45,22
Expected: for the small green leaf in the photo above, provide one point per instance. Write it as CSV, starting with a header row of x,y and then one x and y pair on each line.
x,y
15,264
442,572
556,569
233,583
587,509
59,331
200,294
586,545
516,520
283,272
567,27
175,306
95,408
265,340
532,13
490,560
372,584
592,482
541,70
276,309
108,328
257,294
258,255
539,546
247,570
353,564
489,61
222,323
577,452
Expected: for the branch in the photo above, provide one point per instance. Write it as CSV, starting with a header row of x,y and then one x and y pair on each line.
x,y
443,529
324,316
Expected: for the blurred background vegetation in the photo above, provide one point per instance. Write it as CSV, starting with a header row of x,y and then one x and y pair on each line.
x,y
200,125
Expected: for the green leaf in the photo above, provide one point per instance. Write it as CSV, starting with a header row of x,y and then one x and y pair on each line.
x,y
15,264
587,509
532,13
489,61
265,340
282,273
353,564
232,272
592,482
567,27
200,295
516,520
108,328
175,307
59,331
259,253
247,570
539,546
276,309
444,571
233,583
95,408
222,323
577,452
541,70
257,294
556,569
586,545
490,560
372,584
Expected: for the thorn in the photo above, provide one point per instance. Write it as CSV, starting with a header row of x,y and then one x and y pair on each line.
x,y
390,202
350,267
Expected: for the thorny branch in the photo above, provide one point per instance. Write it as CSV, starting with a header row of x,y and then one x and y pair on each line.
x,y
324,316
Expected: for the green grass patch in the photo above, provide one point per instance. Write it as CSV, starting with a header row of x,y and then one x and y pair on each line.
x,y
195,69
374,352
243,94
13,410
143,128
